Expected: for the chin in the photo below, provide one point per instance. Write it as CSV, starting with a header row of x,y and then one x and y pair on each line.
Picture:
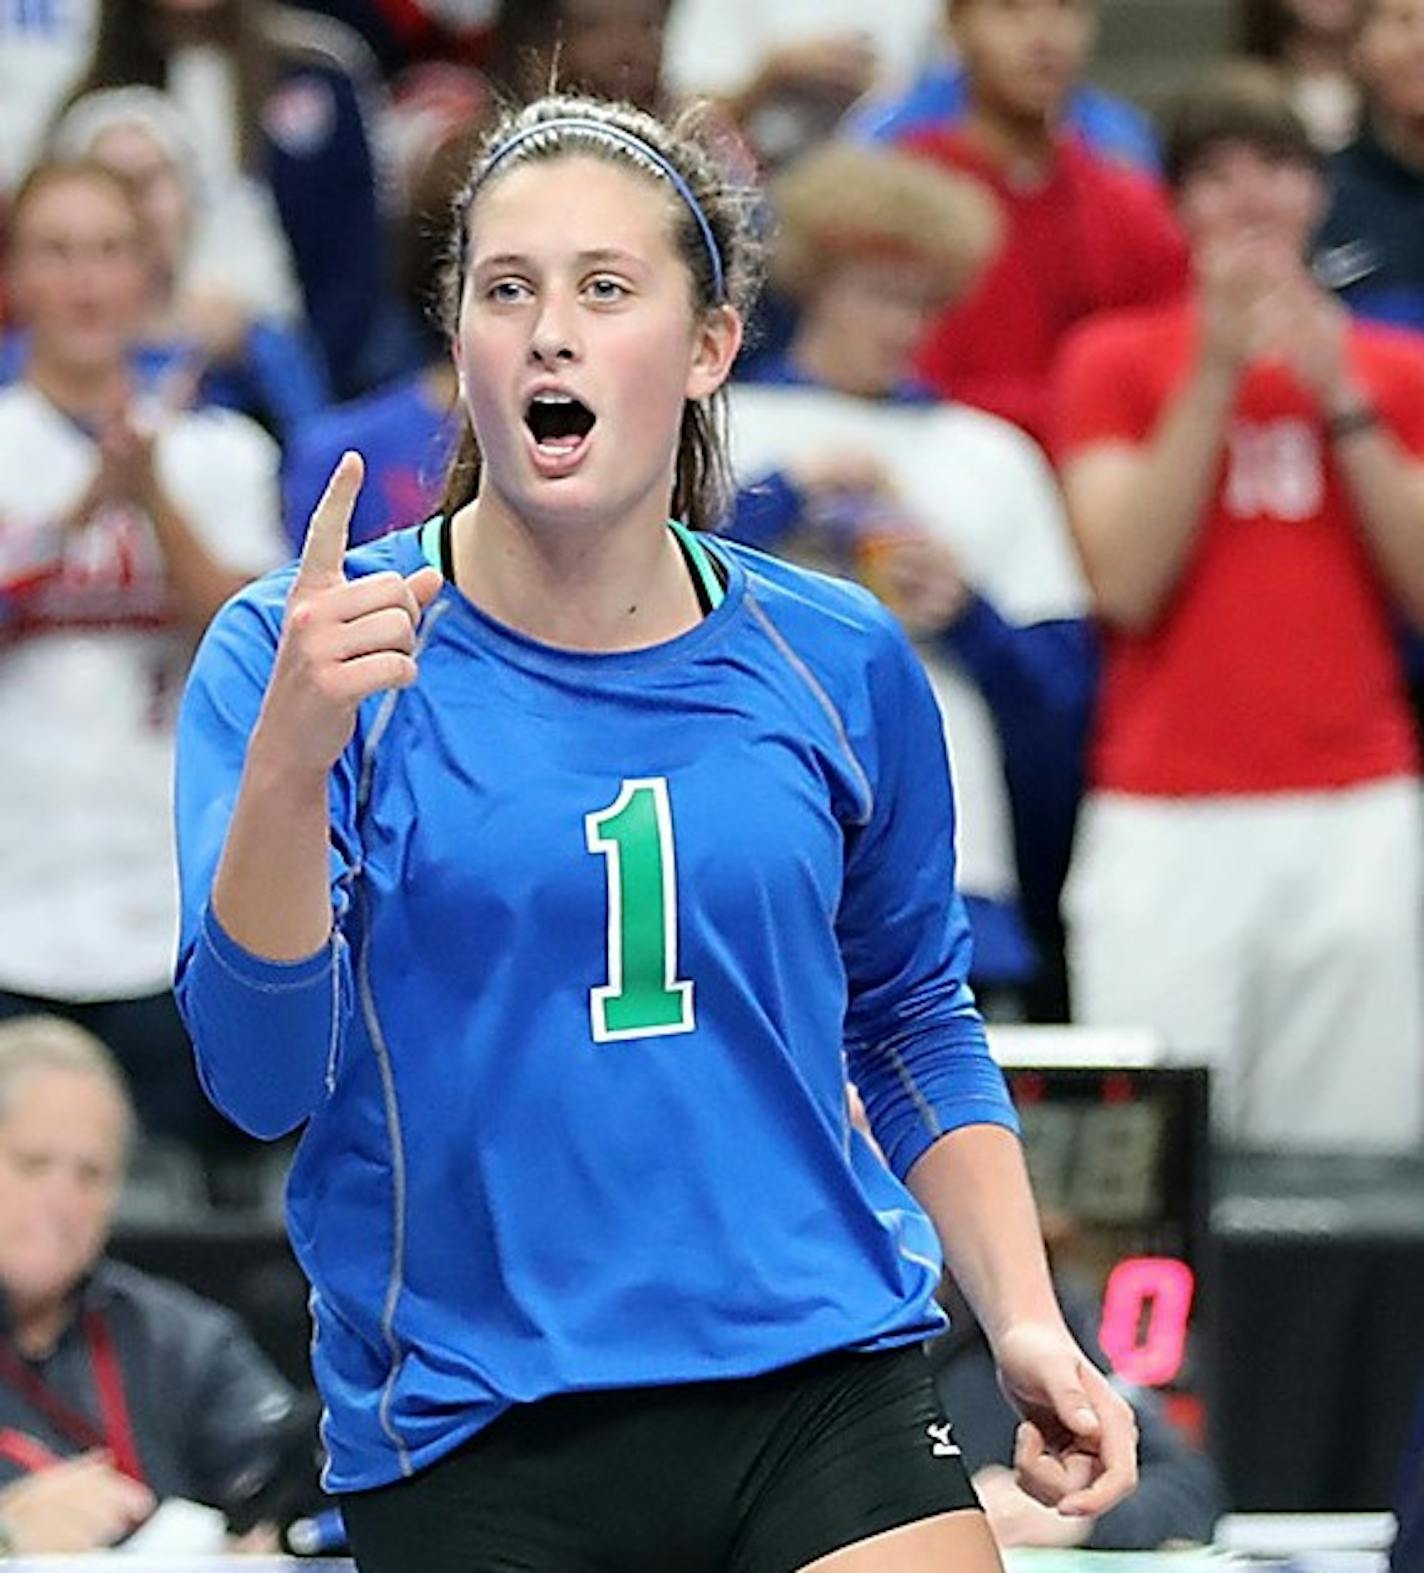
x,y
41,1287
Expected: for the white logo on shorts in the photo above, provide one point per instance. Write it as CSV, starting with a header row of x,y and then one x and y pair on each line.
x,y
944,1445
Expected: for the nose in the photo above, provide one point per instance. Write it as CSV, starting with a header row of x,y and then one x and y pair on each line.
x,y
555,336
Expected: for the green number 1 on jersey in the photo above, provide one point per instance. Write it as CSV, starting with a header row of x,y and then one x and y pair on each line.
x,y
643,997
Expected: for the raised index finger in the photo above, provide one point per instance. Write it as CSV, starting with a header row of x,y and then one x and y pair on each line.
x,y
324,549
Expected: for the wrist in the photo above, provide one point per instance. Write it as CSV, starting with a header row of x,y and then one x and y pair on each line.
x,y
1033,1325
278,774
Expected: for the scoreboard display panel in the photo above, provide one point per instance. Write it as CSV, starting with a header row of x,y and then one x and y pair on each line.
x,y
1118,1148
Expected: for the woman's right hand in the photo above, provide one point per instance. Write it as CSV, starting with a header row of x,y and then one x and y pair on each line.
x,y
342,640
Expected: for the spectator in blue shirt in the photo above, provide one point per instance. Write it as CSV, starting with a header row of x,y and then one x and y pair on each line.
x,y
1370,249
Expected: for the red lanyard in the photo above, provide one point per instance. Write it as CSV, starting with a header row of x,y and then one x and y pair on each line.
x,y
117,1432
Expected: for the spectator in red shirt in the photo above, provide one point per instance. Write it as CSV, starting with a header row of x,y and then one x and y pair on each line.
x,y
1083,232
1245,478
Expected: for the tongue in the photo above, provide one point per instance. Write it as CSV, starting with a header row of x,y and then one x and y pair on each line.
x,y
559,444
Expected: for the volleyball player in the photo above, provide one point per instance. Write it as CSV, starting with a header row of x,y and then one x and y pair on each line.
x,y
554,865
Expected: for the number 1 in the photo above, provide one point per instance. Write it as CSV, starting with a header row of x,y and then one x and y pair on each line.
x,y
643,997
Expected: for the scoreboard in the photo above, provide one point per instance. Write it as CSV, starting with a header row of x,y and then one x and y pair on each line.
x,y
1118,1148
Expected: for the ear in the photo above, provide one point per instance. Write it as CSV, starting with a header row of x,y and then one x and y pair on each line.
x,y
716,340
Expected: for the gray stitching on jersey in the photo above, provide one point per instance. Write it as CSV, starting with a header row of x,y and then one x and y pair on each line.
x,y
388,1083
923,1106
387,708
324,1420
822,698
252,983
395,1283
932,1267
333,1048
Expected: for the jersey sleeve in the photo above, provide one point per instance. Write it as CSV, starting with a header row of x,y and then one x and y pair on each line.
x,y
268,1035
915,1043
1099,394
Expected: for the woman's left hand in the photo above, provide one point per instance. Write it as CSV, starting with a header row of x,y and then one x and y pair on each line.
x,y
1077,1446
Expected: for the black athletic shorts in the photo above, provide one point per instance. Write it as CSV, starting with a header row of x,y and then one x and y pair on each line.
x,y
763,1475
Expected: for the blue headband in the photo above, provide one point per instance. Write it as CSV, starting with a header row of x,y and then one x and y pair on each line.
x,y
635,144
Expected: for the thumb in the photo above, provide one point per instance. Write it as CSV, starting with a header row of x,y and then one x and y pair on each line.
x,y
425,584
1073,1407
324,550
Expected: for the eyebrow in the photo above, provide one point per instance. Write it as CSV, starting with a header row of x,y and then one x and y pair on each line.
x,y
591,257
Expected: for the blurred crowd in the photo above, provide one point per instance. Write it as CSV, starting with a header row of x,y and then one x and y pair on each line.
x,y
1118,406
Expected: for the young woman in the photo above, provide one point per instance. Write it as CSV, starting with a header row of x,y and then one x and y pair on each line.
x,y
123,527
556,865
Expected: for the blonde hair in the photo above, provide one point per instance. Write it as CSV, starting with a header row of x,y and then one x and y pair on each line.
x,y
53,1043
844,201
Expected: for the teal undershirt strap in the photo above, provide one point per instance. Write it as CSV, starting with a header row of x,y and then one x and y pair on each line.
x,y
701,563
430,541
430,533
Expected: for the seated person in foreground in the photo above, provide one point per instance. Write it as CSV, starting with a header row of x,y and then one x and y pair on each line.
x,y
164,1392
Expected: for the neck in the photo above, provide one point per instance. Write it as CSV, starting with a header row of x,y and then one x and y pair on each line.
x,y
1403,138
82,391
1021,147
573,585
37,1324
819,350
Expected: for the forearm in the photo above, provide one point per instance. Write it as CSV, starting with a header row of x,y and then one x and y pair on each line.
x,y
1136,543
1387,491
974,1185
272,893
265,986
199,584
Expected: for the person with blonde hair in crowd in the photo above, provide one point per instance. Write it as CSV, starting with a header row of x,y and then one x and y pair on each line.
x,y
123,528
951,513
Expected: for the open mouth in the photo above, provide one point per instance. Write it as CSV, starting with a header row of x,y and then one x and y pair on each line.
x,y
558,421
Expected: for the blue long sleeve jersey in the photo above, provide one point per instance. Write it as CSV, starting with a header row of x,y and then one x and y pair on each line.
x,y
609,933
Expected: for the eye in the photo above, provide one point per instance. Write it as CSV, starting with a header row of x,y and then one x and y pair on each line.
x,y
606,290
507,292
